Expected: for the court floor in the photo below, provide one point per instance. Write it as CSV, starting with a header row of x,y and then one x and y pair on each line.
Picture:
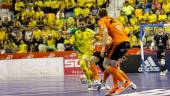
x,y
149,84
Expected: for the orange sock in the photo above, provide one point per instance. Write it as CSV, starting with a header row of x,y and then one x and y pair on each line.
x,y
123,74
116,74
94,69
106,75
115,82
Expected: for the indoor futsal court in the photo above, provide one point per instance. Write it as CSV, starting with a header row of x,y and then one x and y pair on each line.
x,y
149,84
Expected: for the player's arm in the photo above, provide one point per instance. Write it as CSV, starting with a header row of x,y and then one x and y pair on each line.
x,y
104,40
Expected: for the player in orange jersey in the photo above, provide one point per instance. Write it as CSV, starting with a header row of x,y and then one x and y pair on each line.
x,y
120,44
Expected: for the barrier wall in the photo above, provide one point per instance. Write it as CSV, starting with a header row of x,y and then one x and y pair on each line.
x,y
31,65
45,64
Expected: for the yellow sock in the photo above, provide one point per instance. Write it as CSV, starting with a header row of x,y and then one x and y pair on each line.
x,y
85,69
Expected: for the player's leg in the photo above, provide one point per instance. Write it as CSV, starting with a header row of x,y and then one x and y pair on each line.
x,y
94,68
84,66
161,58
119,52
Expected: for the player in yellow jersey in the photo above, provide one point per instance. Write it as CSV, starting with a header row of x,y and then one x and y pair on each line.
x,y
82,39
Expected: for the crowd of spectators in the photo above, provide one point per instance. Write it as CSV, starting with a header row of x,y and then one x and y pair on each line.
x,y
42,25
137,12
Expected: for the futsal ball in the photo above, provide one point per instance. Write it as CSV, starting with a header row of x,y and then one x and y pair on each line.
x,y
83,79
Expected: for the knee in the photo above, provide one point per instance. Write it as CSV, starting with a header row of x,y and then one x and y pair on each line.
x,y
93,59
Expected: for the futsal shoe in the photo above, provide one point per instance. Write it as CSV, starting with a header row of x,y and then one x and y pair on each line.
x,y
97,85
163,73
105,86
124,87
133,86
166,72
83,80
112,92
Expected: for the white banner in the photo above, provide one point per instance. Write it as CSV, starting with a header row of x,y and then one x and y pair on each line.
x,y
35,67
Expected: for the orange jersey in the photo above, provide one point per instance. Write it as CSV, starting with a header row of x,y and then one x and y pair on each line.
x,y
115,29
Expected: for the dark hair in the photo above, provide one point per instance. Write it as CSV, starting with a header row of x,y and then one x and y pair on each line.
x,y
102,12
82,19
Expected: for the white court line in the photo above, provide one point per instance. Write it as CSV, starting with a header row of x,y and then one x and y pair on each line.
x,y
154,92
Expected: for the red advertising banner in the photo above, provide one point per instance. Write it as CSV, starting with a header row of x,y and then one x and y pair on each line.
x,y
36,55
72,65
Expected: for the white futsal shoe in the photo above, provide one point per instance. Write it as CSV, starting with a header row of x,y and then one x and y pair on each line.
x,y
166,72
133,86
105,86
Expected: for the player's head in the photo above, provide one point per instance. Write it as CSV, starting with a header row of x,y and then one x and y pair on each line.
x,y
102,12
82,24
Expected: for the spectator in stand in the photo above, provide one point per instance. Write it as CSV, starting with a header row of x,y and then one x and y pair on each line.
x,y
70,23
162,17
122,18
6,23
133,20
60,13
50,19
138,11
39,14
2,34
23,47
70,3
85,11
67,45
148,6
77,11
60,22
152,17
50,43
81,3
156,4
54,6
32,23
30,11
18,6
166,7
38,3
128,9
47,6
28,37
94,10
42,47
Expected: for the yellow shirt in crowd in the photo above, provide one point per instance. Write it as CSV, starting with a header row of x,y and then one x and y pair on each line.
x,y
37,34
162,17
152,18
39,3
2,35
122,19
39,14
77,11
166,7
18,5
